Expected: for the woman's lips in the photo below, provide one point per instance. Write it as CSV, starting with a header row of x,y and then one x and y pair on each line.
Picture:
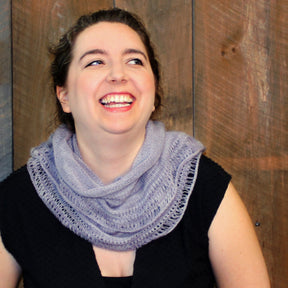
x,y
117,101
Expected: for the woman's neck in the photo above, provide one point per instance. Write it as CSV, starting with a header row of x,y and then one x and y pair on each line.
x,y
111,156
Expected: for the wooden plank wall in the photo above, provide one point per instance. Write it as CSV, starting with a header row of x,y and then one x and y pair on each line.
x,y
5,90
241,108
238,78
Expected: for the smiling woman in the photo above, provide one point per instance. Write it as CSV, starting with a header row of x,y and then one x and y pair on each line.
x,y
113,189
105,67
64,51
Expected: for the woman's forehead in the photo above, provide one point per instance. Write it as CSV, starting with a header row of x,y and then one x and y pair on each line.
x,y
108,35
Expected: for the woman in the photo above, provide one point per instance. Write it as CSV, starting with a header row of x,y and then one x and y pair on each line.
x,y
112,199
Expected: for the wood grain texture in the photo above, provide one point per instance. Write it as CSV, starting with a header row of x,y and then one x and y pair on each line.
x,y
241,107
35,27
170,26
5,90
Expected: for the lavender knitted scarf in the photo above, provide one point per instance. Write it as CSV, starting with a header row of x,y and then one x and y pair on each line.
x,y
138,207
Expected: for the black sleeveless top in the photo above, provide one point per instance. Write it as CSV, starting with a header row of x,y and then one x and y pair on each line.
x,y
51,256
119,282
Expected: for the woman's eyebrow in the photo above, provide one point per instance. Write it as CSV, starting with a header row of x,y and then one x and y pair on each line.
x,y
93,51
134,51
103,52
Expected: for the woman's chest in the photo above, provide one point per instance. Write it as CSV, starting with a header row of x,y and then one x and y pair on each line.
x,y
115,263
166,262
53,256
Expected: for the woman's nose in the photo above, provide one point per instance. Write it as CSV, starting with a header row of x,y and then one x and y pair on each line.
x,y
117,74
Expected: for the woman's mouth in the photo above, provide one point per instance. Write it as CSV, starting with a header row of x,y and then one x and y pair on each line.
x,y
117,100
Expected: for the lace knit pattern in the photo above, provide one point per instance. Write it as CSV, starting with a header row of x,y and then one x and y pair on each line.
x,y
138,207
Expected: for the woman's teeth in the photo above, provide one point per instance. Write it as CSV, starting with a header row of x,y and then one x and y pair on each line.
x,y
116,101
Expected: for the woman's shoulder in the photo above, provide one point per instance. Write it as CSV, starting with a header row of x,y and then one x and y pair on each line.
x,y
210,187
15,184
20,174
212,180
210,169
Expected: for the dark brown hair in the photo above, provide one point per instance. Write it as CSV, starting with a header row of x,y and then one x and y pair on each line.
x,y
62,54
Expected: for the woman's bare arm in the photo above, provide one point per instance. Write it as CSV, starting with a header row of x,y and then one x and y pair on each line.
x,y
10,271
234,249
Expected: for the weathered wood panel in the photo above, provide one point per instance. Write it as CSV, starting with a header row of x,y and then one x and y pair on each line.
x,y
5,90
35,27
241,108
170,26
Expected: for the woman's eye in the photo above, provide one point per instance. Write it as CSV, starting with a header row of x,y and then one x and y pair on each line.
x,y
135,61
95,63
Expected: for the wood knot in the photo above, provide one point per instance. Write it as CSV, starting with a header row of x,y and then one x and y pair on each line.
x,y
228,51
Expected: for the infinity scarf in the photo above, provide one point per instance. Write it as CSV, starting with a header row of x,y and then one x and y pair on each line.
x,y
144,204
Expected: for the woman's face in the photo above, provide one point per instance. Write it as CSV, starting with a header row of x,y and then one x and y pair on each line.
x,y
110,85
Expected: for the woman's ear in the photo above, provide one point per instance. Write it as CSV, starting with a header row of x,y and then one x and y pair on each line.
x,y
62,95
